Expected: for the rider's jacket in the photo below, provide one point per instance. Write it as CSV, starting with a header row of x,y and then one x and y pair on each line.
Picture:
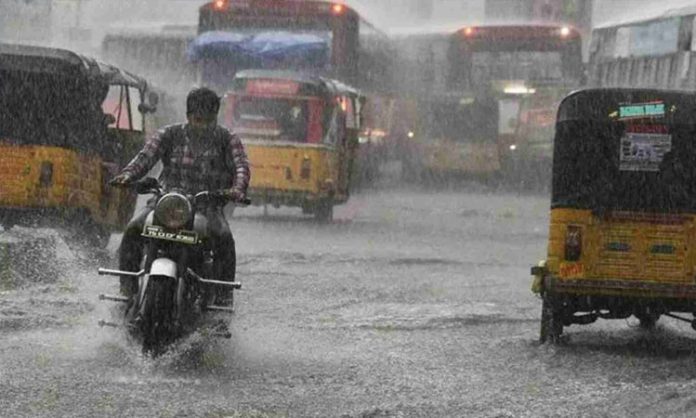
x,y
217,162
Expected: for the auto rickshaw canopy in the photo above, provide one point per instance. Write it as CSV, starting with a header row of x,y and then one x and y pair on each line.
x,y
626,150
51,96
37,59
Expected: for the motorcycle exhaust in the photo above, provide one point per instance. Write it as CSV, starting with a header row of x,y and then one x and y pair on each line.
x,y
219,308
114,298
111,272
233,285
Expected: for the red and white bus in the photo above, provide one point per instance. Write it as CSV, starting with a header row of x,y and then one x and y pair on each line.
x,y
359,54
471,81
353,51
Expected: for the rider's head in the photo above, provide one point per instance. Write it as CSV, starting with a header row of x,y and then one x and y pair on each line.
x,y
202,105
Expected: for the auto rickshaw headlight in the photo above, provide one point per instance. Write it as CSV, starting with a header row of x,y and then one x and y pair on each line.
x,y
173,211
573,243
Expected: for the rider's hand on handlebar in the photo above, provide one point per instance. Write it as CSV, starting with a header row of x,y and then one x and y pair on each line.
x,y
122,179
233,195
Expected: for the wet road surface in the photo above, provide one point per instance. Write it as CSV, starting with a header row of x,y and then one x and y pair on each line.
x,y
411,304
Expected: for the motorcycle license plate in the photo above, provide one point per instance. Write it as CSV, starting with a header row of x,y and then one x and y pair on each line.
x,y
157,232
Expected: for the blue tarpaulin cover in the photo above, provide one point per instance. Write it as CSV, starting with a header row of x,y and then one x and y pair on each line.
x,y
272,49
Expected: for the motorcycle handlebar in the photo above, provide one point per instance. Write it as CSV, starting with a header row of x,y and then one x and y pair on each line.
x,y
221,196
151,185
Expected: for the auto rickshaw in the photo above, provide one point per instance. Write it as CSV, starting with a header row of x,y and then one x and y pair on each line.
x,y
300,133
622,236
67,123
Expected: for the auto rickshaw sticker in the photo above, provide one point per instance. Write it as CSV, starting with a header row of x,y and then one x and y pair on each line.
x,y
662,249
643,151
618,247
641,110
571,270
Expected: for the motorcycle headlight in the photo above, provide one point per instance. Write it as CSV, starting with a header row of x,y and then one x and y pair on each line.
x,y
173,211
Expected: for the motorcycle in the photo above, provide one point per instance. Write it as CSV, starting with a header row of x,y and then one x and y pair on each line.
x,y
174,288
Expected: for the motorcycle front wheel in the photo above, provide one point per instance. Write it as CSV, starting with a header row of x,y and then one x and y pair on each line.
x,y
157,315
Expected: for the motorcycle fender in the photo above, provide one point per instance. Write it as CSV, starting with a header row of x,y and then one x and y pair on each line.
x,y
163,267
150,220
200,225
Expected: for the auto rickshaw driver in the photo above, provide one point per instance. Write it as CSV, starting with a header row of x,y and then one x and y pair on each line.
x,y
196,156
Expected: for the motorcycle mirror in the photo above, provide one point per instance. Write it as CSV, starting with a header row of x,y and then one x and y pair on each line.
x,y
152,98
109,119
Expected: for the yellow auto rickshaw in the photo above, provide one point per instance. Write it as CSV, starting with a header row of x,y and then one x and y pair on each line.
x,y
300,132
622,236
67,123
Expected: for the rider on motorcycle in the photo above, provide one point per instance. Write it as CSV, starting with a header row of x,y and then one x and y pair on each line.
x,y
196,156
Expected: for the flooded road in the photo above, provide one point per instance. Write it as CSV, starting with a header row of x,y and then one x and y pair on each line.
x,y
411,304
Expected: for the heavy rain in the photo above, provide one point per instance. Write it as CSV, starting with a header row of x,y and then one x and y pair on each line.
x,y
439,208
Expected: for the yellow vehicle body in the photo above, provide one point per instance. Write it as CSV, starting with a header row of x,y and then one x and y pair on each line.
x,y
622,233
54,178
624,254
300,132
449,157
67,124
294,174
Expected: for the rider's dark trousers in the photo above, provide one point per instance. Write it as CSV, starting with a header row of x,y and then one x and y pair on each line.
x,y
131,250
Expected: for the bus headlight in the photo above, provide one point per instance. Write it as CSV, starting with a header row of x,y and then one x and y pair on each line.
x,y
173,210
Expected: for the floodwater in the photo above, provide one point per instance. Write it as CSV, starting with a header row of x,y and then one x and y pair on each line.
x,y
413,303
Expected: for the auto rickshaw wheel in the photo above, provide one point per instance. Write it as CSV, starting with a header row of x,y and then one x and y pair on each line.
x,y
648,320
551,321
323,212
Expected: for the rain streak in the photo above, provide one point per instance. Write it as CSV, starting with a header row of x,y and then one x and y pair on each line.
x,y
347,208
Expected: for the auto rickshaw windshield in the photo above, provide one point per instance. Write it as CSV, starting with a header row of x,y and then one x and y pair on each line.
x,y
629,150
279,118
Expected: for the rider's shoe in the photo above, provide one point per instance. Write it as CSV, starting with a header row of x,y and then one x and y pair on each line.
x,y
128,286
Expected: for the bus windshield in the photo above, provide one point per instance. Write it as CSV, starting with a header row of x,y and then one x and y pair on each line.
x,y
279,34
516,65
524,53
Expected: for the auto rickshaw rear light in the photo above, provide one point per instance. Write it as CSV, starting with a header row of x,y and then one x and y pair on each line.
x,y
219,4
46,174
573,243
306,169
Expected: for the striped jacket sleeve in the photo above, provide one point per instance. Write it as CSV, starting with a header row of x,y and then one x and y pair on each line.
x,y
141,164
240,162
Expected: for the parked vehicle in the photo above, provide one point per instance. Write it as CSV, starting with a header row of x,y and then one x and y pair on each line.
x,y
67,123
623,210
